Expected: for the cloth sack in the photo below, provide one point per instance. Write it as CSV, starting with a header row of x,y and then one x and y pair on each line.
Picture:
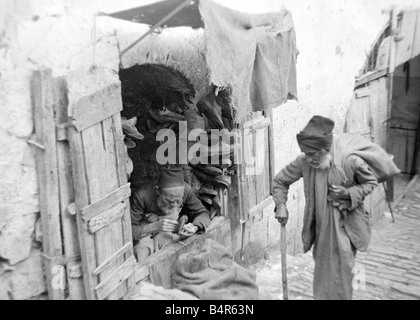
x,y
210,273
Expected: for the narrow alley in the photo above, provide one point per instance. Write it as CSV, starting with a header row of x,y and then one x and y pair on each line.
x,y
389,270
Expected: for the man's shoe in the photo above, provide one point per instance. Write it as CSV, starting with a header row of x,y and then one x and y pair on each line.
x,y
209,107
129,128
130,144
208,190
208,169
207,199
165,115
224,164
217,203
220,181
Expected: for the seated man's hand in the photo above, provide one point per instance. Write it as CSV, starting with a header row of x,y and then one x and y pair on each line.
x,y
188,230
338,193
151,217
167,225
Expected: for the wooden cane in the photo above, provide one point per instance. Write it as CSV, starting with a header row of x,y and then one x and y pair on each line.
x,y
283,260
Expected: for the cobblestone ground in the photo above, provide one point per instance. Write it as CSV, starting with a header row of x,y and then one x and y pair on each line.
x,y
389,270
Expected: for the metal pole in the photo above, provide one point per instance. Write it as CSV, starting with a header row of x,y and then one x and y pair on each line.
x,y
157,25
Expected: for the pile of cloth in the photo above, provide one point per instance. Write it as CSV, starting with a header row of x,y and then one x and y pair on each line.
x,y
210,273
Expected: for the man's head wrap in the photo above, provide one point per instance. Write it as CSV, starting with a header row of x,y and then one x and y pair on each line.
x,y
316,135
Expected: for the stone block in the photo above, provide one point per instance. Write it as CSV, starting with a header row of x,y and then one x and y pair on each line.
x,y
16,239
27,281
4,267
4,288
3,293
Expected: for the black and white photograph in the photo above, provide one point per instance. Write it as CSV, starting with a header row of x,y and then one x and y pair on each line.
x,y
210,154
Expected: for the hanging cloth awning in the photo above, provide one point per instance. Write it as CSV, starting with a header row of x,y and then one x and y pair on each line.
x,y
253,54
151,14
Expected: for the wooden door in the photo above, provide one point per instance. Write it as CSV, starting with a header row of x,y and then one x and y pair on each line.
x,y
256,166
101,189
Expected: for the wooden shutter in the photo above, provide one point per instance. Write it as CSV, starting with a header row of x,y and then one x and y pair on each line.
x,y
256,168
101,188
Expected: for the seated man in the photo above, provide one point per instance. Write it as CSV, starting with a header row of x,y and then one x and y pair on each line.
x,y
155,213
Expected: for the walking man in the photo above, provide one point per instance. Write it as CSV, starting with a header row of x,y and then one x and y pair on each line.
x,y
338,173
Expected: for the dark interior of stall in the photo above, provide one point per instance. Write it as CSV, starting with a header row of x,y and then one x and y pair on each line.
x,y
158,97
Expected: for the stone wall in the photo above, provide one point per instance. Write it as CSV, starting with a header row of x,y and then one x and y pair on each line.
x,y
69,36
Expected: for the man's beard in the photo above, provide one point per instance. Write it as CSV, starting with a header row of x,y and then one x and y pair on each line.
x,y
323,164
170,212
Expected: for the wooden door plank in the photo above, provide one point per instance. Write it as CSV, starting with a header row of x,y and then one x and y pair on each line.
x,y
249,154
271,152
261,206
266,166
262,179
102,179
108,130
69,225
87,240
47,168
110,143
122,178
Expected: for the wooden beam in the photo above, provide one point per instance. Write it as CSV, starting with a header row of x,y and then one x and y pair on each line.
x,y
114,258
109,285
92,97
106,203
362,93
261,206
107,217
91,110
370,77
48,178
142,272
